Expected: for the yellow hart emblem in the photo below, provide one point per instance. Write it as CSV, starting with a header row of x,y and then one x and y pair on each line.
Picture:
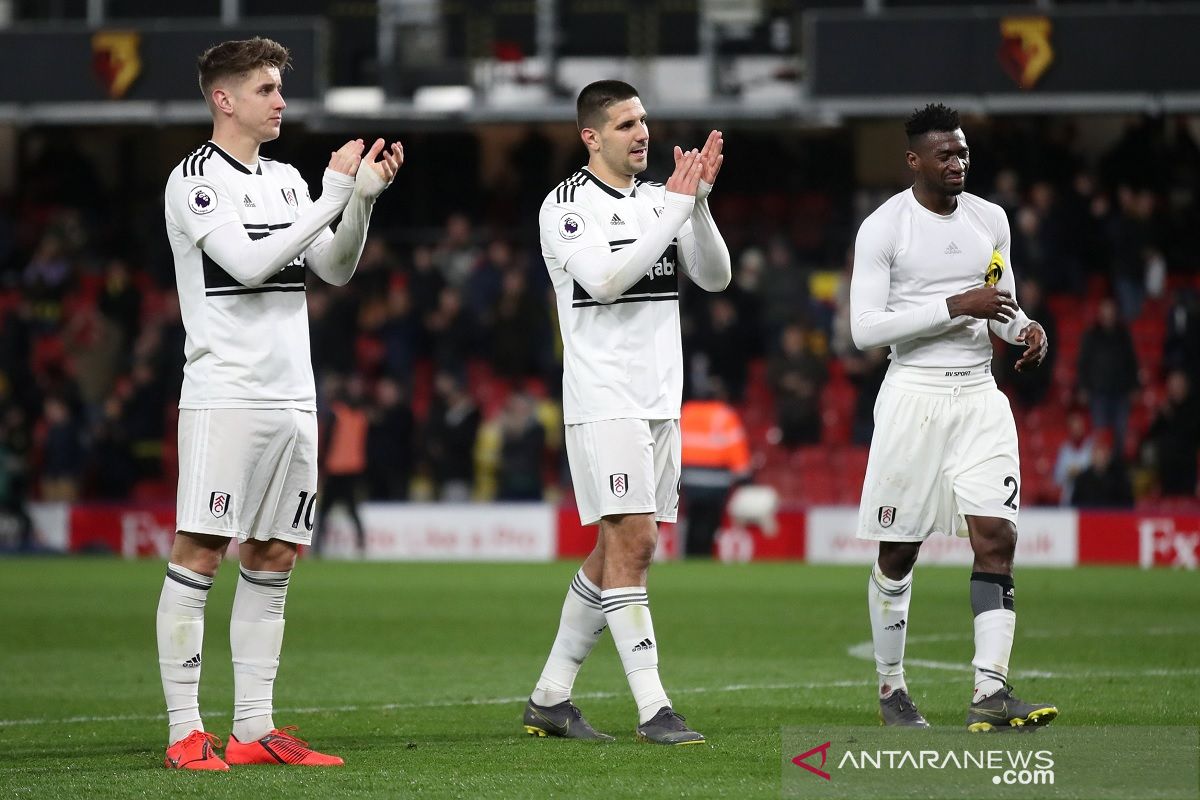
x,y
995,269
116,61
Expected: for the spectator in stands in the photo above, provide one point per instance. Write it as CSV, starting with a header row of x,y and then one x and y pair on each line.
x,y
454,332
484,284
1172,443
425,286
785,293
14,471
716,457
522,450
120,301
1029,250
796,376
401,334
456,254
1105,483
449,439
1136,248
390,443
62,452
1181,347
343,457
720,339
1108,371
1031,386
866,370
111,465
518,328
47,278
145,418
1074,455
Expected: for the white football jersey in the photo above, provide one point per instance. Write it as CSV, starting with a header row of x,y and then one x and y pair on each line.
x,y
622,359
908,260
246,347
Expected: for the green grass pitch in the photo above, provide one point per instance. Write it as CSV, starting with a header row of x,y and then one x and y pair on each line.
x,y
417,673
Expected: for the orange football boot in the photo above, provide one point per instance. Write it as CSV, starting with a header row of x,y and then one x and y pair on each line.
x,y
197,750
278,747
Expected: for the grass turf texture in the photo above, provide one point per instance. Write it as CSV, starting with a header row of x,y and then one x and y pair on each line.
x,y
417,673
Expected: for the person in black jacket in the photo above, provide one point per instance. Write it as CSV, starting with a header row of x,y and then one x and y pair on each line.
x,y
1108,371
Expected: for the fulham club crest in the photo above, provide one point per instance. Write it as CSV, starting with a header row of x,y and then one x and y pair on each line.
x,y
289,195
887,515
619,483
218,503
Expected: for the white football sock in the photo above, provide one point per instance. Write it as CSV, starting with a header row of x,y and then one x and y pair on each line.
x,y
255,639
579,629
180,629
994,631
628,613
887,601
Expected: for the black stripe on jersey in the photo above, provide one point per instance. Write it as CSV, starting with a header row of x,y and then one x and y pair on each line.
x,y
565,193
263,226
252,290
650,288
193,164
217,280
617,244
640,182
649,298
605,187
233,162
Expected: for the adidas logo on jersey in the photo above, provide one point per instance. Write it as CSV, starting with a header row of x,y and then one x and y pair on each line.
x,y
952,249
644,644
616,220
248,203
194,661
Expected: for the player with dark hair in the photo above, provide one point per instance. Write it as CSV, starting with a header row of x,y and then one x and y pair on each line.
x,y
931,280
613,245
244,234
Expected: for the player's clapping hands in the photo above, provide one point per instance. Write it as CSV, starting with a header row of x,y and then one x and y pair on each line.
x,y
688,171
376,175
347,157
712,158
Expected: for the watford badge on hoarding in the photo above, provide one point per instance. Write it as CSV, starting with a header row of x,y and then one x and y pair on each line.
x,y
1025,50
116,61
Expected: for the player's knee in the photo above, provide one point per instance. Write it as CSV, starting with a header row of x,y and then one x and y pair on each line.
x,y
897,559
200,553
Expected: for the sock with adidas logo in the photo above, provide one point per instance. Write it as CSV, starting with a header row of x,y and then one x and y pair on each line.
x,y
628,613
579,628
180,630
887,602
993,602
255,639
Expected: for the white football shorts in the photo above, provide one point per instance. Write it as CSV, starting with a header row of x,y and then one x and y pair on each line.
x,y
248,473
945,446
625,466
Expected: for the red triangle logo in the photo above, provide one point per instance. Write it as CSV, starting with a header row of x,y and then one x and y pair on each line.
x,y
823,749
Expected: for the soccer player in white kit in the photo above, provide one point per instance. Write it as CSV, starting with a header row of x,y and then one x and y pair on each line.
x,y
244,233
614,247
931,281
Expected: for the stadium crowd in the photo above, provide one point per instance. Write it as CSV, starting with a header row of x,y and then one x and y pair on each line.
x,y
445,342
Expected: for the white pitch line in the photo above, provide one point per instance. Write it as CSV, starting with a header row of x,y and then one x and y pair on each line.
x,y
865,651
483,701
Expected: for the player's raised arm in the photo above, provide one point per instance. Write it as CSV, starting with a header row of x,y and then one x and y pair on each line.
x,y
703,255
335,259
251,262
605,275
